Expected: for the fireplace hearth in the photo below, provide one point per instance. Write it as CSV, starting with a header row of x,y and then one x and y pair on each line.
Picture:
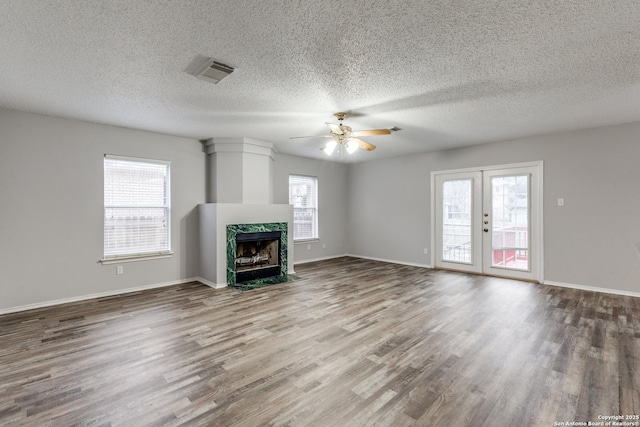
x,y
256,254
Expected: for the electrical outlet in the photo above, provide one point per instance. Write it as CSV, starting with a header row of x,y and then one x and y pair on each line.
x,y
308,247
560,202
324,246
426,251
120,269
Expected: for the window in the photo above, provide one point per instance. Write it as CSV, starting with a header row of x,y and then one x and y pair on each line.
x,y
136,208
303,195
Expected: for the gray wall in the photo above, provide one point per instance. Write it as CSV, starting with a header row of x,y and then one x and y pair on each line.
x,y
332,201
51,186
591,241
51,201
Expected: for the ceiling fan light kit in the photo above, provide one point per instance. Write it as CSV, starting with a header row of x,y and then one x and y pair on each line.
x,y
352,146
328,149
343,135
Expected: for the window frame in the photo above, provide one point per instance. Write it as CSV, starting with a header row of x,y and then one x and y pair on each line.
x,y
316,221
124,256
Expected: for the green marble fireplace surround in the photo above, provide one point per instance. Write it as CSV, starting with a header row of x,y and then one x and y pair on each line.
x,y
213,221
233,230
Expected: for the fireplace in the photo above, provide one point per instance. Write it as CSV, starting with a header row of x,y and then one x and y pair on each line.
x,y
256,254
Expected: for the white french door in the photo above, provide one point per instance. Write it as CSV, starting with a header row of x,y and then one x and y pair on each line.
x,y
458,203
489,221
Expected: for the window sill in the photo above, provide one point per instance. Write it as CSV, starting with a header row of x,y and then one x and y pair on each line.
x,y
134,258
295,242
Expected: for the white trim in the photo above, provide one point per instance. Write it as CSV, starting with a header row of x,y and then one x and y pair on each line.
x,y
240,145
134,258
432,214
546,282
104,294
309,240
392,261
316,209
224,285
143,252
138,159
537,163
304,261
541,221
211,284
592,289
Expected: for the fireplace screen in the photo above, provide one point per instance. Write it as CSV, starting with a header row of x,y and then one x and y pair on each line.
x,y
257,255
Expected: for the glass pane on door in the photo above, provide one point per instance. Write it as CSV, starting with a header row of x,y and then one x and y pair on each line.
x,y
457,196
510,222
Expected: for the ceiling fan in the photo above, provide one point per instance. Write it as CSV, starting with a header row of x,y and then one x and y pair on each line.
x,y
343,135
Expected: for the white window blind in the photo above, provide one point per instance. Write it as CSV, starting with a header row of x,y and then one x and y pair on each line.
x,y
303,195
136,207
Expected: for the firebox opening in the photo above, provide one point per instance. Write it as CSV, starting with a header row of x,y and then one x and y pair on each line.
x,y
257,255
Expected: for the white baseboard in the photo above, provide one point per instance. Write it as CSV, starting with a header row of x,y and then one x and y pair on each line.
x,y
592,288
392,261
545,282
223,285
210,284
107,294
364,257
304,261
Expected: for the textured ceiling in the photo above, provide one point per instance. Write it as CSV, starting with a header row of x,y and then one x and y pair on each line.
x,y
450,73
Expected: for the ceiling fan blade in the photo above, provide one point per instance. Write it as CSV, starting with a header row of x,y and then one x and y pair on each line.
x,y
334,128
314,136
364,144
371,132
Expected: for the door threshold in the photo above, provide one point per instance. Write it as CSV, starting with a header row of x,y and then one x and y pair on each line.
x,y
488,275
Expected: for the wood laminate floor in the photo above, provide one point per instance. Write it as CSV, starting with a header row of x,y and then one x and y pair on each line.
x,y
349,343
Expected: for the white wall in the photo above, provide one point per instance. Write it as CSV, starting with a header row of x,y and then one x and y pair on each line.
x,y
51,202
332,201
591,241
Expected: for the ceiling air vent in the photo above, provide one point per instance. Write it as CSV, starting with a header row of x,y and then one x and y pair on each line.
x,y
209,69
